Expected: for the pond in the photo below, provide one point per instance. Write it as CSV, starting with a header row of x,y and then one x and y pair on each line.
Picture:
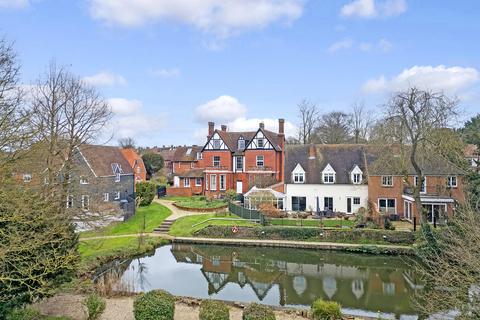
x,y
362,284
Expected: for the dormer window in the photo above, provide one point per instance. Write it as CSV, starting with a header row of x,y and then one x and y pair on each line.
x,y
27,177
328,175
298,174
356,175
199,156
83,180
241,143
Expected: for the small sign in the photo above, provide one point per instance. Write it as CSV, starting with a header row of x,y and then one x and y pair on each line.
x,y
234,229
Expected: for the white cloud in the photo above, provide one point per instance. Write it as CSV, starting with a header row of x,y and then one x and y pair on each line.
x,y
14,4
105,79
383,45
451,80
224,108
340,45
373,8
167,73
124,107
221,17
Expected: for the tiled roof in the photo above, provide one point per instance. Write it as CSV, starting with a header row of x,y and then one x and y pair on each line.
x,y
194,173
188,153
231,139
102,158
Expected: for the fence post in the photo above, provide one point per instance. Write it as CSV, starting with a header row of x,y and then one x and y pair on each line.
x,y
434,221
414,223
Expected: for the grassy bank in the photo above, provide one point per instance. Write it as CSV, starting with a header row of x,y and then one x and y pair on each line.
x,y
152,215
184,227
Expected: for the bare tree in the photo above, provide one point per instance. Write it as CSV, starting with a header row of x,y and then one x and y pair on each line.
x,y
361,122
308,115
127,143
334,127
415,116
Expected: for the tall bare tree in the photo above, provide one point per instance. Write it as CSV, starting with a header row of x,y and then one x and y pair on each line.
x,y
334,127
308,114
415,117
361,122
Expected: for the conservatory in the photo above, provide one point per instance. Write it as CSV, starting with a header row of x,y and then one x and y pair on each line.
x,y
256,196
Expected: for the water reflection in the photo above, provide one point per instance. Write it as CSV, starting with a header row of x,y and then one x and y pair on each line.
x,y
275,276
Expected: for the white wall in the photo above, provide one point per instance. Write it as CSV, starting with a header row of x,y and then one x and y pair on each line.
x,y
339,193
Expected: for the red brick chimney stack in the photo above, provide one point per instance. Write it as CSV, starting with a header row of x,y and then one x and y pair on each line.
x,y
211,129
224,127
312,153
281,127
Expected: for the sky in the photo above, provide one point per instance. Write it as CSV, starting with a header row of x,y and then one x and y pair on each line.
x,y
167,67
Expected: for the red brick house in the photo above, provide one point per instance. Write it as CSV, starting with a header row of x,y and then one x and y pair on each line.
x,y
187,170
240,160
136,163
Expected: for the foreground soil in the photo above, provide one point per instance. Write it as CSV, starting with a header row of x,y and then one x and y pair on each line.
x,y
121,308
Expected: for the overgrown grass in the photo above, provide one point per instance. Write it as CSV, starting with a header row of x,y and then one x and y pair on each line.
x,y
327,223
153,214
183,227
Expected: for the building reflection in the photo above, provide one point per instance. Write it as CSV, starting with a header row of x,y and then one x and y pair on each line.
x,y
368,283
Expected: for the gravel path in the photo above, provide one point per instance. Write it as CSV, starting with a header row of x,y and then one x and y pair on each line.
x,y
176,212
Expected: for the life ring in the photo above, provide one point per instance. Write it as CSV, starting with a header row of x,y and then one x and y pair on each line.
x,y
234,229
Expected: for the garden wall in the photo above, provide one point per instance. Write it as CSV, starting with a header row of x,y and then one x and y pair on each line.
x,y
361,236
179,192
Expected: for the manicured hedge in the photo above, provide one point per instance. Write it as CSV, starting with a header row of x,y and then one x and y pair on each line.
x,y
214,310
363,236
257,311
326,310
145,192
154,305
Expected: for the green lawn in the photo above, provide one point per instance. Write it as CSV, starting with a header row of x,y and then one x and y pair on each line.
x,y
328,223
154,215
183,226
196,202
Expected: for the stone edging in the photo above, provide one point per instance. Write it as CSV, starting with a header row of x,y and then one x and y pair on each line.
x,y
199,209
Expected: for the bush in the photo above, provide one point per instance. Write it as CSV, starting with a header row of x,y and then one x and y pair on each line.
x,y
256,311
231,195
326,310
154,305
95,306
145,193
214,310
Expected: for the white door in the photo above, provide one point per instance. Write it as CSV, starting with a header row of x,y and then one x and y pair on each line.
x,y
239,187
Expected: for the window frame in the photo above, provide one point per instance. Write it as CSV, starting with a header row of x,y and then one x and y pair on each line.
x,y
387,178
213,186
328,205
356,199
215,142
214,160
242,141
328,175
423,188
70,199
223,180
187,184
262,144
260,161
449,182
106,197
87,206
354,178
197,183
386,204
297,176
117,177
84,180
27,177
117,195
298,204
236,163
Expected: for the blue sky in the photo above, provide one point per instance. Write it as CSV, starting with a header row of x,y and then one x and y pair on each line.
x,y
169,66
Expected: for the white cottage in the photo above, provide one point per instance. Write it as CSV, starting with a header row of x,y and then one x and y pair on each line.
x,y
325,177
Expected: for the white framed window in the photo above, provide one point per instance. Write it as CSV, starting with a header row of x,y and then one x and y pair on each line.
x,y
106,197
199,156
186,182
192,165
387,181
239,163
46,181
198,182
260,143
69,201
260,161
299,177
117,177
452,182
85,202
241,143
388,205
328,177
356,200
216,161
423,188
223,182
213,182
84,180
216,144
27,177
357,178
117,195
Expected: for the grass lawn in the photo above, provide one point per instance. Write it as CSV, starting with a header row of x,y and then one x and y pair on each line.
x,y
197,202
329,223
183,226
92,250
154,215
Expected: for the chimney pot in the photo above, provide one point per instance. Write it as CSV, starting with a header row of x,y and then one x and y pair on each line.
x,y
211,129
224,127
281,126
262,125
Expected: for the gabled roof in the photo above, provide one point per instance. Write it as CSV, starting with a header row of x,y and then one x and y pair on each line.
x,y
193,173
231,139
186,153
102,159
133,158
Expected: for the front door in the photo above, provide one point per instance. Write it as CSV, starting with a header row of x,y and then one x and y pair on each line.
x,y
349,205
239,187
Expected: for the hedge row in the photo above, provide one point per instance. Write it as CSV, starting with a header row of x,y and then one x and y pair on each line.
x,y
366,236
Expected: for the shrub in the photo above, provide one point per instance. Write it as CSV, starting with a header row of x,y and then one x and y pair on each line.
x,y
231,195
95,306
214,310
326,310
256,311
145,193
154,305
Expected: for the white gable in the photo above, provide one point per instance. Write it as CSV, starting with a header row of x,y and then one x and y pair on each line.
x,y
357,170
328,169
298,169
216,143
260,142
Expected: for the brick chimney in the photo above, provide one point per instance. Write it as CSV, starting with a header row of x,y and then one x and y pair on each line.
x,y
312,153
211,129
281,127
224,127
262,125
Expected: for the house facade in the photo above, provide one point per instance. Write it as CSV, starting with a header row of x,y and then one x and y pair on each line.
x,y
326,178
187,170
136,163
241,160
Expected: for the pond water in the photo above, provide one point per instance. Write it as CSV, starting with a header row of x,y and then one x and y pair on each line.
x,y
362,284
